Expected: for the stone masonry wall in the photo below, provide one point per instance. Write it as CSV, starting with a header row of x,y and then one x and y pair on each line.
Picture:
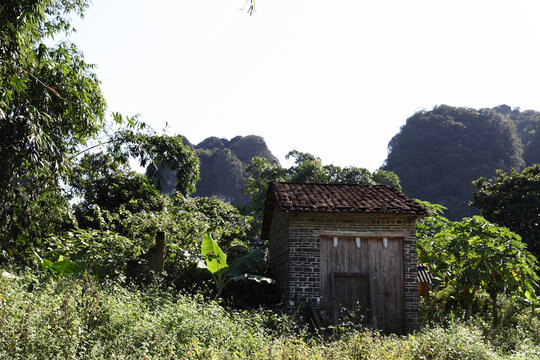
x,y
279,253
300,284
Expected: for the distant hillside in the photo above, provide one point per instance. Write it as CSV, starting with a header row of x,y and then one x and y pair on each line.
x,y
528,129
222,166
437,153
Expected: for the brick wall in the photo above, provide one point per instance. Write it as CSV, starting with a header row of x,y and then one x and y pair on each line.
x,y
279,253
296,262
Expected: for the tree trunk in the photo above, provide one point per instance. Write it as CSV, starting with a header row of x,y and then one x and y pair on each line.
x,y
469,296
493,294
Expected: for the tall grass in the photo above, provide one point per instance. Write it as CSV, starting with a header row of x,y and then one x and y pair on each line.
x,y
83,319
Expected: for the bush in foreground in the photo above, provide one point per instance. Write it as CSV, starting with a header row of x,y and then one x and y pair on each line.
x,y
82,319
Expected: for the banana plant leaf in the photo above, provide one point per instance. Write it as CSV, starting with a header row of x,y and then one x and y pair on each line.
x,y
245,263
63,267
216,260
257,278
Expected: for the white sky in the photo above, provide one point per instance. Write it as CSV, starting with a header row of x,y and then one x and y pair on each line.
x,y
333,78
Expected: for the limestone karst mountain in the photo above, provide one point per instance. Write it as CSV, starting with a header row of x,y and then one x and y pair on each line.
x,y
222,166
437,153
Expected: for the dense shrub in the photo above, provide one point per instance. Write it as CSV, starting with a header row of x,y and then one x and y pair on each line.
x,y
519,327
82,319
103,253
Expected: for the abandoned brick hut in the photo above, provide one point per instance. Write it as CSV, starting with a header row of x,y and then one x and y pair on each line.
x,y
339,245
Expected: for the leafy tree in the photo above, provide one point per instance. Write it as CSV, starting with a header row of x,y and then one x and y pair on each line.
x,y
474,254
308,168
50,105
51,111
194,217
104,184
115,198
153,150
50,101
121,210
429,226
259,173
109,195
104,253
437,154
512,200
107,238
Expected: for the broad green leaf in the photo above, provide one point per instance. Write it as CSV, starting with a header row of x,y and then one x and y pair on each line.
x,y
67,267
529,296
47,264
247,262
216,260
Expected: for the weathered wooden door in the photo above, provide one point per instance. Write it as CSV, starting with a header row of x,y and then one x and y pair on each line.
x,y
382,264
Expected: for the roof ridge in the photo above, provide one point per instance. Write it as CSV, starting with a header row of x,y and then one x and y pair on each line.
x,y
321,183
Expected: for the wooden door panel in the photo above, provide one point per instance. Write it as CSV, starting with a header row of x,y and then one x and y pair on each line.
x,y
384,265
346,257
352,291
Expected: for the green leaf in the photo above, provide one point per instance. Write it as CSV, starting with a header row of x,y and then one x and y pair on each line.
x,y
529,296
62,267
47,264
17,83
216,260
67,267
247,262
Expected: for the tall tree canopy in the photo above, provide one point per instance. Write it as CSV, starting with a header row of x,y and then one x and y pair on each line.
x,y
437,154
50,104
308,168
512,200
51,111
50,101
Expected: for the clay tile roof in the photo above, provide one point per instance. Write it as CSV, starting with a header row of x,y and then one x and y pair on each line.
x,y
337,198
